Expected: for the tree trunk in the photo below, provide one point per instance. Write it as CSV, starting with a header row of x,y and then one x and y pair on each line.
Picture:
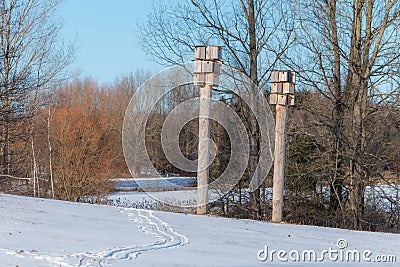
x,y
254,138
336,186
358,72
50,153
34,166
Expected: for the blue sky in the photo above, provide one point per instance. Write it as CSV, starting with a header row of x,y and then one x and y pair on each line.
x,y
106,35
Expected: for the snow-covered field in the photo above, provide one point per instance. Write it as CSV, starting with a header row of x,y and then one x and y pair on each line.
x,y
38,232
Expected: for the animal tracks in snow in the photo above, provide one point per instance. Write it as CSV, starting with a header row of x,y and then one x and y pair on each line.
x,y
162,233
165,237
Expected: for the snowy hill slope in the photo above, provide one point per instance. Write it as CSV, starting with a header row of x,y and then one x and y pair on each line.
x,y
38,232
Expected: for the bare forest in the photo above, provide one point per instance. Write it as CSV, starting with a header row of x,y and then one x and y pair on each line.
x,y
60,136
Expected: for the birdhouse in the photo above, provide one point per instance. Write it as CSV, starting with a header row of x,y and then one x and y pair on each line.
x,y
277,88
217,67
199,79
282,87
200,52
274,76
283,76
290,100
213,53
282,100
207,65
287,88
212,79
197,66
273,99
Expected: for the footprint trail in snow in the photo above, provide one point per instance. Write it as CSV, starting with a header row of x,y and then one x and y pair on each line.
x,y
165,237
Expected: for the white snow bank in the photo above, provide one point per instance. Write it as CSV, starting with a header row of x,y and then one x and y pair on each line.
x,y
37,232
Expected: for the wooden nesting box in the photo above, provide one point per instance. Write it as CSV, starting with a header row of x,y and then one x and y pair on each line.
x,y
283,76
212,79
207,65
288,88
277,88
273,99
282,100
200,52
199,79
290,100
282,88
214,53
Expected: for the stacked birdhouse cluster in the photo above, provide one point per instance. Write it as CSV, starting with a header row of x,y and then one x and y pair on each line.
x,y
207,65
282,91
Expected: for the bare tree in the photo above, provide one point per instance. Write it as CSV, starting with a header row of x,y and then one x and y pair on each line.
x,y
48,126
349,52
31,58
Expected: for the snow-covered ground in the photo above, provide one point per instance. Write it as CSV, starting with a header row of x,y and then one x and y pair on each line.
x,y
38,232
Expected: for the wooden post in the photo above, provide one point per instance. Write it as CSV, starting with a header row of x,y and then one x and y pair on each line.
x,y
282,95
207,67
204,149
279,162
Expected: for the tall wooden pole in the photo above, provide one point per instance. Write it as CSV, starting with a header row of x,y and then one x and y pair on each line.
x,y
282,95
207,67
279,163
204,149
